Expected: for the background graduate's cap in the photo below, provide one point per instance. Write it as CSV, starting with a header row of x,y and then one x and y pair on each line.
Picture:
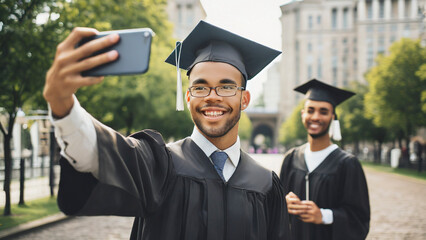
x,y
319,91
208,43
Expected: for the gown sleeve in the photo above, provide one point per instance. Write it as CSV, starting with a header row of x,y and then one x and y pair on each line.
x,y
352,217
280,228
135,174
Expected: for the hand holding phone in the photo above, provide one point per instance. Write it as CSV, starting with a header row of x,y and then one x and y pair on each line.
x,y
134,50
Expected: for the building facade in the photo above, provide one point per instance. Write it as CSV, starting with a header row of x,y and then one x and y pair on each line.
x,y
337,41
184,14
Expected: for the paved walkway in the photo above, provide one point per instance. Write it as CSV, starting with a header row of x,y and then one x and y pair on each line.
x,y
397,204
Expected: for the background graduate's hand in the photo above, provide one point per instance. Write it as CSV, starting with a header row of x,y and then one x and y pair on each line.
x,y
312,213
294,205
64,76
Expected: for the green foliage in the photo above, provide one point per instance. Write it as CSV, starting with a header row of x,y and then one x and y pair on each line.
x,y
292,131
355,126
395,88
422,75
245,127
131,103
25,56
25,50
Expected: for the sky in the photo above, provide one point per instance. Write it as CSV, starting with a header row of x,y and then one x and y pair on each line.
x,y
257,20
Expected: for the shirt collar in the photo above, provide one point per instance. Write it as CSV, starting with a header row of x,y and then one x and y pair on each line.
x,y
208,147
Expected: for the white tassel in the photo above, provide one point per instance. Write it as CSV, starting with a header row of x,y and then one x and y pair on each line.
x,y
334,131
179,95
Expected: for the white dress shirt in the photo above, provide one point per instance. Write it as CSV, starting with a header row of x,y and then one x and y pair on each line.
x,y
76,136
208,148
313,160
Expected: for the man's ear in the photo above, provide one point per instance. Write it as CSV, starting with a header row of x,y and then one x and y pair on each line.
x,y
245,100
187,97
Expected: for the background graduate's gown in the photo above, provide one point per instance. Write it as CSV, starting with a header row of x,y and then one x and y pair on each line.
x,y
339,184
174,191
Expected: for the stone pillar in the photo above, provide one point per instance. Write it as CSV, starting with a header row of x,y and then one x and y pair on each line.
x,y
388,9
414,8
361,10
401,9
375,6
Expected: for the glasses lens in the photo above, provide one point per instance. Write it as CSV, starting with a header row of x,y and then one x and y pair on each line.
x,y
226,90
199,91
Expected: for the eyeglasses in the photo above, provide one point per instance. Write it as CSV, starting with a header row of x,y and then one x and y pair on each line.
x,y
223,91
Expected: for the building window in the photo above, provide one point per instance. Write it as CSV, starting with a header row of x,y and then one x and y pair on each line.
x,y
309,47
190,14
334,18
407,4
309,71
179,10
345,18
334,76
369,10
406,32
382,9
319,20
370,52
297,20
381,45
319,68
310,22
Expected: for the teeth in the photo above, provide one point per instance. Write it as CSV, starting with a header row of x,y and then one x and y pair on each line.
x,y
214,113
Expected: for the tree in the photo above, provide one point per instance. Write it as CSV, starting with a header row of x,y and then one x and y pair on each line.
x,y
395,90
292,131
245,128
25,55
355,125
422,75
130,103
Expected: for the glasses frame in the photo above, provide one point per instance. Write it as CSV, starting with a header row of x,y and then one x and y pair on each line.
x,y
215,89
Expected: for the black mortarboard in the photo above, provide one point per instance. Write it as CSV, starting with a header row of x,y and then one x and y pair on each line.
x,y
208,43
319,91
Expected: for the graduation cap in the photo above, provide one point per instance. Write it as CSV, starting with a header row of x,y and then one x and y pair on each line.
x,y
208,43
319,91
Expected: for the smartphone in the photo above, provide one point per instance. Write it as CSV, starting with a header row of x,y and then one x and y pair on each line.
x,y
134,49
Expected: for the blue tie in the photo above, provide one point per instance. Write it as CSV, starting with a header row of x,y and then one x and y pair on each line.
x,y
219,159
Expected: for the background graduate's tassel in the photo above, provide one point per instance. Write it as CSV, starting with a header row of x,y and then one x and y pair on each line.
x,y
334,131
179,95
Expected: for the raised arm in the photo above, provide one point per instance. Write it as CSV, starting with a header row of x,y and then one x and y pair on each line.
x,y
64,76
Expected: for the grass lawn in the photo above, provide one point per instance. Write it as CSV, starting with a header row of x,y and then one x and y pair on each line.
x,y
32,210
401,171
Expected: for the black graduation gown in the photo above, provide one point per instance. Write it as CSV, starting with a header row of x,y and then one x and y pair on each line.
x,y
174,192
339,184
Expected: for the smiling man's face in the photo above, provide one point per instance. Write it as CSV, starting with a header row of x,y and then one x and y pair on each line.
x,y
316,117
216,116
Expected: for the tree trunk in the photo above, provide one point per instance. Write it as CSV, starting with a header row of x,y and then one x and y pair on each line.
x,y
356,148
52,162
7,173
379,152
21,181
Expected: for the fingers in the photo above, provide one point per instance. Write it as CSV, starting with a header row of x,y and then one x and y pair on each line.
x,y
90,63
311,213
93,46
64,76
76,35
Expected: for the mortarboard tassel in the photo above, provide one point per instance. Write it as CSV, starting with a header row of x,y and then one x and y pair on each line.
x,y
334,131
179,96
